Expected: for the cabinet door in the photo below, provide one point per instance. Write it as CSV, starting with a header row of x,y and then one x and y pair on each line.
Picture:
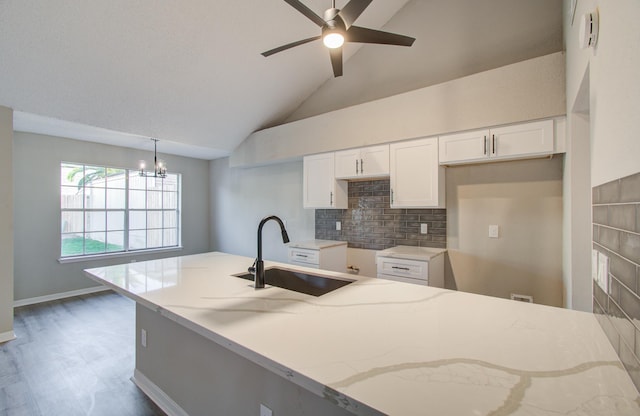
x,y
417,180
320,188
464,147
347,163
374,161
528,139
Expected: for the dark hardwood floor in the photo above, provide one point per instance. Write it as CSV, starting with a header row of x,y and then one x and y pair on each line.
x,y
73,357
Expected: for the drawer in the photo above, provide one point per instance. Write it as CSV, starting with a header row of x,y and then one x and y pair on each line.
x,y
404,268
404,279
302,255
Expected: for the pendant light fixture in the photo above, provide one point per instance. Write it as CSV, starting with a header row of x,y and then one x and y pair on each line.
x,y
159,167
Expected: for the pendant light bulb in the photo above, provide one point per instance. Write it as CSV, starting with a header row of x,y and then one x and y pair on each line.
x,y
333,40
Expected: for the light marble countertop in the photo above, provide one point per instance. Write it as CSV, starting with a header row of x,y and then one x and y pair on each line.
x,y
383,347
411,253
316,244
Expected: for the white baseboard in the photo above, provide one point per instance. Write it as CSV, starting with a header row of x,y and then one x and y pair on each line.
x,y
155,393
56,296
7,336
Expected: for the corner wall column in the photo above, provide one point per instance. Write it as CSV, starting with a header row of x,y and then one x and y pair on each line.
x,y
6,224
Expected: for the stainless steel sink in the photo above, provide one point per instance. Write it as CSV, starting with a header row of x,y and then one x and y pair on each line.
x,y
309,284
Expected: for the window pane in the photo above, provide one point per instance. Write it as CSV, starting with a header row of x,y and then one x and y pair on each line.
x,y
115,241
137,239
154,238
170,200
115,198
137,220
154,200
170,183
136,181
170,219
154,219
94,198
154,184
102,209
95,221
71,197
170,237
115,220
71,245
94,243
94,176
116,178
72,222
137,199
70,174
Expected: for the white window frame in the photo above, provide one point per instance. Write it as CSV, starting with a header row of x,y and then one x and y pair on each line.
x,y
127,251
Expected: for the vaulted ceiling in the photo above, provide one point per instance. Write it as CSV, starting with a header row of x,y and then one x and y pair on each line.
x,y
190,73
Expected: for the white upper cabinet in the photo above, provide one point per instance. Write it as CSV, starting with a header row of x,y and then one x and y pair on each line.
x,y
366,162
500,143
320,187
417,180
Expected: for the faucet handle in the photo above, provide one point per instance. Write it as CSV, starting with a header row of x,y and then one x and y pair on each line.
x,y
252,268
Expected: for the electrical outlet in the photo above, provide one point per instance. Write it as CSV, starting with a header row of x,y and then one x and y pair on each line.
x,y
265,411
424,228
143,337
338,226
494,231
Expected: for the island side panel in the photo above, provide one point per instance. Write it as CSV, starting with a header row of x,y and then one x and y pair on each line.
x,y
204,378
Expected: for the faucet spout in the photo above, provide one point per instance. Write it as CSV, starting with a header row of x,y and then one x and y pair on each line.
x,y
259,264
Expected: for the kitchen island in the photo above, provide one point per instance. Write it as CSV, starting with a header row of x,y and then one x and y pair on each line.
x,y
214,345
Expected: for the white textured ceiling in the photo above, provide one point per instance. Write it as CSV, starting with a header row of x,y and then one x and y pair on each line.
x,y
187,72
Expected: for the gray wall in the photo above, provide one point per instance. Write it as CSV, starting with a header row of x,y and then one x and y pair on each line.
x,y
36,161
220,382
524,198
240,198
6,224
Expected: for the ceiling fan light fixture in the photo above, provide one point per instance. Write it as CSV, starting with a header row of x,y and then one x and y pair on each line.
x,y
333,39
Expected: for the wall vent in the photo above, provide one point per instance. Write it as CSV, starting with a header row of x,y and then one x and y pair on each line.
x,y
522,298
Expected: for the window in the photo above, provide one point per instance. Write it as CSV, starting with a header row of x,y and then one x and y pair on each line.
x,y
108,210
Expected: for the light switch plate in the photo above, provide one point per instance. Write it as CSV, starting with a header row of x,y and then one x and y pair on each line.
x,y
424,228
494,231
338,226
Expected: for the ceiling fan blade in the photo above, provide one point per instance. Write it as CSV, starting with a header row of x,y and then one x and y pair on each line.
x,y
336,61
364,35
306,11
289,46
352,10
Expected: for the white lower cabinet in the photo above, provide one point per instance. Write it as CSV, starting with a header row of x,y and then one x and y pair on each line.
x,y
500,143
417,179
317,256
419,272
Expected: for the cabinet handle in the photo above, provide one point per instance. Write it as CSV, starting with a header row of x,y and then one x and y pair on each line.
x,y
392,197
493,140
356,166
400,268
484,146
301,255
330,199
361,166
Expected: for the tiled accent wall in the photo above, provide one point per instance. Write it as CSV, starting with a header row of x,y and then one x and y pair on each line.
x,y
616,233
370,222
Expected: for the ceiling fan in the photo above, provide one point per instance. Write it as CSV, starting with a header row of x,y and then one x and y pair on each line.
x,y
337,28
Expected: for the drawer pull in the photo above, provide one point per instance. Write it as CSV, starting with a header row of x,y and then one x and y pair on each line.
x,y
302,255
400,268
